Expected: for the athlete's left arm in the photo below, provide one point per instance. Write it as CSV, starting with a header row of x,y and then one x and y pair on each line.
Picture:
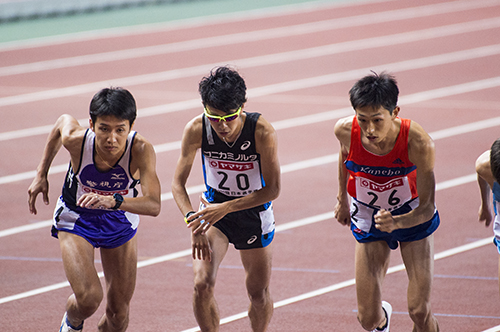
x,y
421,152
143,166
267,146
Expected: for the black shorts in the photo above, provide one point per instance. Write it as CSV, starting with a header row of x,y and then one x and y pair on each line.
x,y
248,229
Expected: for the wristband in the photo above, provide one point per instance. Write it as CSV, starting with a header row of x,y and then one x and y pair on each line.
x,y
190,213
119,200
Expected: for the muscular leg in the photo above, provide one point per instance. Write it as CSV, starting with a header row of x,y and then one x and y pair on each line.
x,y
78,261
205,273
371,262
120,271
418,258
257,264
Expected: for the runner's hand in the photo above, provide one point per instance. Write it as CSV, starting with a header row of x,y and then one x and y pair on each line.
x,y
342,214
39,185
202,220
384,221
95,201
485,215
201,247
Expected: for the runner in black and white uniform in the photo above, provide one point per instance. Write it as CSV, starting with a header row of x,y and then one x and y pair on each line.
x,y
231,171
242,177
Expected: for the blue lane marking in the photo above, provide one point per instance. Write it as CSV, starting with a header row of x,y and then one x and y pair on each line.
x,y
464,277
34,259
240,267
445,315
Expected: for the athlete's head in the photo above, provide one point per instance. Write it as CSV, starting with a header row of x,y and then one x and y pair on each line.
x,y
375,90
224,89
495,160
116,102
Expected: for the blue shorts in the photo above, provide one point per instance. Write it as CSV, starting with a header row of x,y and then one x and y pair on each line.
x,y
101,229
497,244
415,233
248,229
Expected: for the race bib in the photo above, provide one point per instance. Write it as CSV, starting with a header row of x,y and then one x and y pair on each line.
x,y
362,215
233,178
389,196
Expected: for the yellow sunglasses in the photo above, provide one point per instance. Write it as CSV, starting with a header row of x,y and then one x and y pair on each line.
x,y
225,118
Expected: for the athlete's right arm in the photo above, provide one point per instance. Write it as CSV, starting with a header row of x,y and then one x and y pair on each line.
x,y
343,132
485,181
191,142
66,131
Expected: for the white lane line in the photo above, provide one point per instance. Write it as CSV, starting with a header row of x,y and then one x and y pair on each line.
x,y
279,228
282,32
299,84
351,282
284,169
324,116
188,23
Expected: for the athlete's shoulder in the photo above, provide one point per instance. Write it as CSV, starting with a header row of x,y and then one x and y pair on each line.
x,y
263,127
417,136
483,167
343,128
72,133
421,149
141,145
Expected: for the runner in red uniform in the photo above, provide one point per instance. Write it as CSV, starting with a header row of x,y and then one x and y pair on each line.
x,y
386,195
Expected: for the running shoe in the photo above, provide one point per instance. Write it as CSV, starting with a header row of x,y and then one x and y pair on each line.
x,y
388,312
66,326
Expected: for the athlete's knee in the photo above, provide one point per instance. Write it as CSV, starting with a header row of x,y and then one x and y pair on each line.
x,y
203,285
259,296
369,319
88,301
420,313
117,316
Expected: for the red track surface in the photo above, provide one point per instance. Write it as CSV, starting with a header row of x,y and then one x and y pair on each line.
x,y
446,61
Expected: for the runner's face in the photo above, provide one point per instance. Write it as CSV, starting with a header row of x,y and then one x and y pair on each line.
x,y
111,134
227,130
376,123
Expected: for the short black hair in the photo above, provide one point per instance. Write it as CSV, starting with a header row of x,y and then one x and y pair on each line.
x,y
375,91
224,89
113,101
495,160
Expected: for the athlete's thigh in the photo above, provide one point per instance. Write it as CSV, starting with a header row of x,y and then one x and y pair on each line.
x,y
206,270
258,265
120,270
418,257
371,263
78,260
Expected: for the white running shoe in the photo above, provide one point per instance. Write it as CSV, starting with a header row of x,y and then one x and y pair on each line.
x,y
66,327
388,312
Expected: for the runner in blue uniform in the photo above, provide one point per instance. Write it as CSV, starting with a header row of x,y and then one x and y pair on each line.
x,y
99,205
488,179
242,177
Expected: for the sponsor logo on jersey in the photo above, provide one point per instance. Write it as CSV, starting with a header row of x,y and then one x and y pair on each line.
x,y
365,183
398,162
379,170
252,239
245,145
231,166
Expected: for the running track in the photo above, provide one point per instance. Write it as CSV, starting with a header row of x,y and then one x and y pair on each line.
x,y
299,63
